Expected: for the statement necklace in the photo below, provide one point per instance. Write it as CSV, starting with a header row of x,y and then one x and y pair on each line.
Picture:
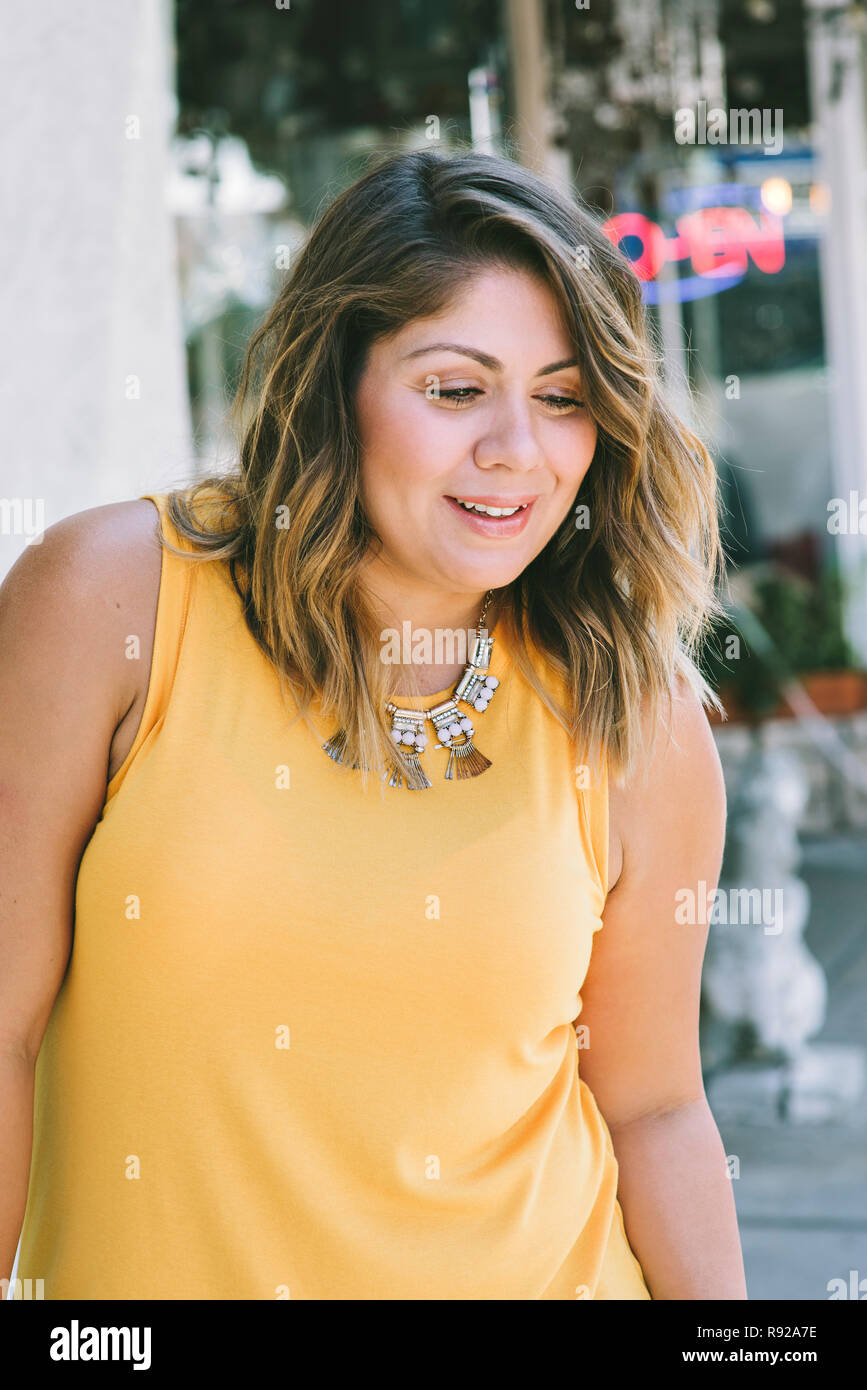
x,y
454,730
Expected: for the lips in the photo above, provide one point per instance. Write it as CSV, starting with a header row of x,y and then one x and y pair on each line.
x,y
497,499
494,526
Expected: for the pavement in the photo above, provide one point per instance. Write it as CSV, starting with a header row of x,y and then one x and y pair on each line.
x,y
801,1192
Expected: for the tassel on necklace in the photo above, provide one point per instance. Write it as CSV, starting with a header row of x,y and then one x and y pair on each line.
x,y
466,761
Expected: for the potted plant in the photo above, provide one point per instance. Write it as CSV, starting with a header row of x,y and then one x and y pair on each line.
x,y
802,637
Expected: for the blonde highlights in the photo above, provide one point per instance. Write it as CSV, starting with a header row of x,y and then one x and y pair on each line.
x,y
604,620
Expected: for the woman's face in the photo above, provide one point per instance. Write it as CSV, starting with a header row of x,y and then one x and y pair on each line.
x,y
481,403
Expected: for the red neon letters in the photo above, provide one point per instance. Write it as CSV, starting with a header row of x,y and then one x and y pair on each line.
x,y
718,241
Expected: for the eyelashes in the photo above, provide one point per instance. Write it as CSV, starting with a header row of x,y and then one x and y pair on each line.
x,y
463,395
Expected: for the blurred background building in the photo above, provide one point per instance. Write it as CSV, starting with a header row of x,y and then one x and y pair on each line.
x,y
723,144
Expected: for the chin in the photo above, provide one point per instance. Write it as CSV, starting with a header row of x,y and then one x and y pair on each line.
x,y
491,576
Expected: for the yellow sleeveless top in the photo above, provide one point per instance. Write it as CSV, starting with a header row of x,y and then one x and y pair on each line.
x,y
314,1042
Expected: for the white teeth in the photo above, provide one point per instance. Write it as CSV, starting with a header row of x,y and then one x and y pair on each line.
x,y
490,511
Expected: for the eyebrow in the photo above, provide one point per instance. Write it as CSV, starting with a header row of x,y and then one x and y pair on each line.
x,y
492,363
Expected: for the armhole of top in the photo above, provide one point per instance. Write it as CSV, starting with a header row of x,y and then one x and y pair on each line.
x,y
171,617
593,801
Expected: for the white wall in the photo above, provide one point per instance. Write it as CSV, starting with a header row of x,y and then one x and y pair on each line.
x,y
89,296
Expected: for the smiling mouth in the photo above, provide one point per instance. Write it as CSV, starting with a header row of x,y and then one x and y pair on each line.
x,y
489,509
496,518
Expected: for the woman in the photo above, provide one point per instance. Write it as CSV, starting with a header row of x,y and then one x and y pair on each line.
x,y
328,1028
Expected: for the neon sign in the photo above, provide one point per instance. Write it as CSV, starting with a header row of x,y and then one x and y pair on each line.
x,y
718,241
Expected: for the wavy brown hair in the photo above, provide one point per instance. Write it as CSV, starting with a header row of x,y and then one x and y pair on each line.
x,y
604,620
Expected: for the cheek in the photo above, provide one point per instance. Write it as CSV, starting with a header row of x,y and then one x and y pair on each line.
x,y
393,456
576,456
404,443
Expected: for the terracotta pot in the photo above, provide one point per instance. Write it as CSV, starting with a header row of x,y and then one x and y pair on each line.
x,y
836,692
832,692
738,714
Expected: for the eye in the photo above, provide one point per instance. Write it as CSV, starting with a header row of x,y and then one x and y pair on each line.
x,y
459,395
562,402
462,395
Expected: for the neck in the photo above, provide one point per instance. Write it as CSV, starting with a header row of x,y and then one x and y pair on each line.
x,y
427,637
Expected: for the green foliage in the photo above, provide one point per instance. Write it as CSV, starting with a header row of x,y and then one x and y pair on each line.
x,y
804,622
754,681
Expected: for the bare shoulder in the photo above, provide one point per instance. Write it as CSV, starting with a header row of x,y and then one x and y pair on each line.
x,y
80,550
106,555
99,562
71,601
675,789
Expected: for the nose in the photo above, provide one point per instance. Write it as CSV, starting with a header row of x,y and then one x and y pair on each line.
x,y
509,439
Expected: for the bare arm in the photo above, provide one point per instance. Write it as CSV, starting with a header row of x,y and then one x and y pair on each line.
x,y
641,1007
65,685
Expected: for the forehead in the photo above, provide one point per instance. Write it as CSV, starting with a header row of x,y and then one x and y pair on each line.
x,y
496,306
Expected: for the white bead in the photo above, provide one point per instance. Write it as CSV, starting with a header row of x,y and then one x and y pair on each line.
x,y
409,736
480,705
467,725
396,735
492,682
421,741
445,739
454,730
